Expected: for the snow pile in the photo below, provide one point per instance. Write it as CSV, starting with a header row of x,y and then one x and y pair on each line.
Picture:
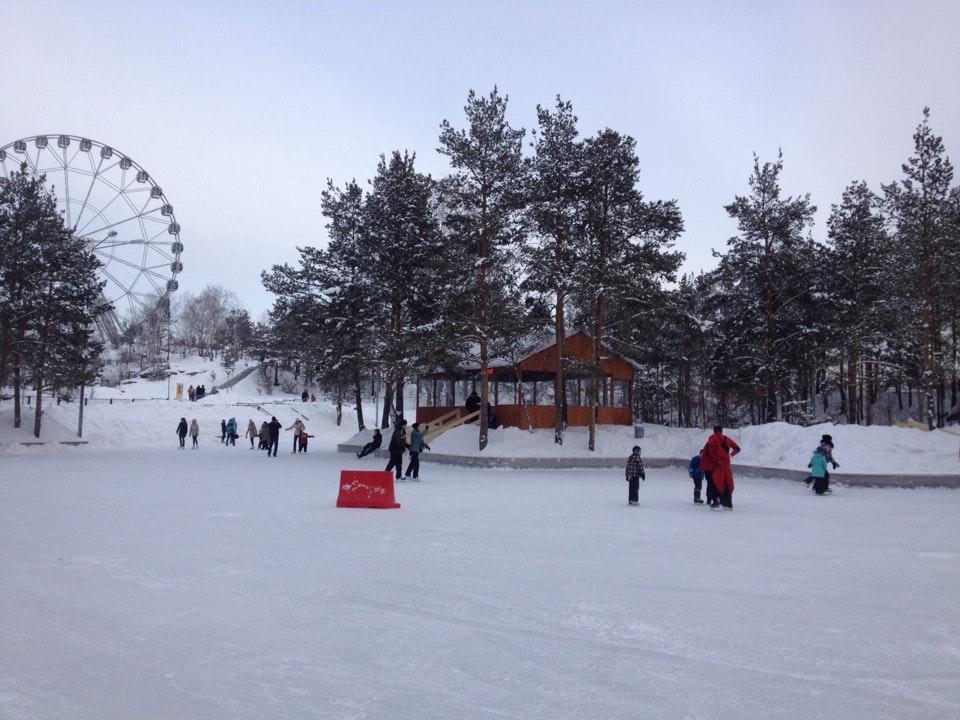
x,y
777,445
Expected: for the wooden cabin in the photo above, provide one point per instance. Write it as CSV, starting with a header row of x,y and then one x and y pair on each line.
x,y
530,381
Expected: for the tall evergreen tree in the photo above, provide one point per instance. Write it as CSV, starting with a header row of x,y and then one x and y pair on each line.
x,y
765,283
626,243
49,289
860,280
484,201
555,185
921,208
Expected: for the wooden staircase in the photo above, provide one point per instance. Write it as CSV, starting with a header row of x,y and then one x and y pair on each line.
x,y
448,421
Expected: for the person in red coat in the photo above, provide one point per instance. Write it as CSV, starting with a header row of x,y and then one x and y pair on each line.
x,y
715,459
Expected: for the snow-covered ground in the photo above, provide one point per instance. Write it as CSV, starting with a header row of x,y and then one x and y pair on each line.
x,y
223,584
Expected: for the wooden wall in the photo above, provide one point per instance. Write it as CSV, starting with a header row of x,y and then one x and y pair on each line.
x,y
541,416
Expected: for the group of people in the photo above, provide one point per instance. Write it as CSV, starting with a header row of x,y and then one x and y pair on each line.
x,y
183,429
196,393
267,437
712,464
398,445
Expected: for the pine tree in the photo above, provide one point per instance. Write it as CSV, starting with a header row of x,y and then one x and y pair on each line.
x,y
407,262
555,185
765,281
626,243
921,207
860,282
51,295
484,201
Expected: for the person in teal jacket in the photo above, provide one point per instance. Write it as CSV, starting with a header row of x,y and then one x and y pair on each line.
x,y
417,445
818,469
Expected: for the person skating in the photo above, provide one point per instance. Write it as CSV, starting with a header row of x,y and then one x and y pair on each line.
x,y
396,447
302,441
715,459
818,470
826,447
232,432
223,430
635,474
417,445
297,427
182,432
274,428
696,474
251,432
371,446
194,433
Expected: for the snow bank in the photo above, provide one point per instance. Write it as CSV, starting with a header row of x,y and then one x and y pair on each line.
x,y
776,445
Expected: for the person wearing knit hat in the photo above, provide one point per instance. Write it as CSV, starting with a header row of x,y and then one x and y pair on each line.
x,y
635,474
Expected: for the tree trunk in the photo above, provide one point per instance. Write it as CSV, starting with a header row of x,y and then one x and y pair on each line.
x,y
852,415
358,398
17,389
80,420
559,391
398,397
387,406
594,371
38,410
339,408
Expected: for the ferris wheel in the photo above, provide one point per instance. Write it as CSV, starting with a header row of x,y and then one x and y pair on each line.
x,y
119,209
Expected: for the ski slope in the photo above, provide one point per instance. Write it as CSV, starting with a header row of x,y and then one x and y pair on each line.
x,y
220,583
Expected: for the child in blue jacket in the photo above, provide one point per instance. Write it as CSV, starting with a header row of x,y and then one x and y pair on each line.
x,y
818,470
696,474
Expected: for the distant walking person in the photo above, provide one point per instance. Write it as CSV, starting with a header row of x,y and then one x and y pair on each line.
x,y
634,473
232,432
304,396
274,428
715,459
251,432
194,433
223,430
191,393
396,447
417,445
182,432
264,436
371,446
297,427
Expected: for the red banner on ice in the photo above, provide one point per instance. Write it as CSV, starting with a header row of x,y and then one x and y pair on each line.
x,y
366,489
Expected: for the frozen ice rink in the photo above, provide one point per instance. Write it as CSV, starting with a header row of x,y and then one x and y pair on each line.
x,y
161,584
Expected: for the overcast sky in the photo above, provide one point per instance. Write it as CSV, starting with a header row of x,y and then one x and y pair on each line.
x,y
241,111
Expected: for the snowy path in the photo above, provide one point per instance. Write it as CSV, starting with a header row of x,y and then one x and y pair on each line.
x,y
221,584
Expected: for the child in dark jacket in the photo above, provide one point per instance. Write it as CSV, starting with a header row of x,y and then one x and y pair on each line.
x,y
696,474
635,474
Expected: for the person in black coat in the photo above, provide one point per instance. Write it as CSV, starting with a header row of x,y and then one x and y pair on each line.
x,y
398,443
371,446
473,403
274,428
182,431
